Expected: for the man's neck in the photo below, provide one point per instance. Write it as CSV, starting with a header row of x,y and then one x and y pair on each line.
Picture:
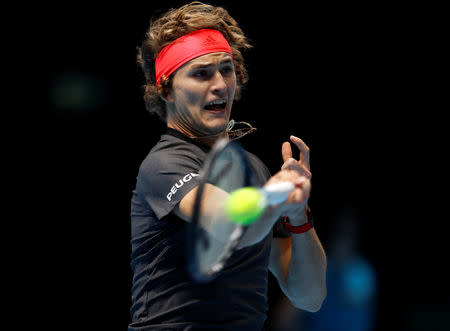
x,y
208,140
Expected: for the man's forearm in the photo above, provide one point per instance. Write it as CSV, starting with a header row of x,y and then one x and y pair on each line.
x,y
306,278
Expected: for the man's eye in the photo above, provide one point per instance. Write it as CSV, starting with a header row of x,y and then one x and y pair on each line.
x,y
200,73
227,69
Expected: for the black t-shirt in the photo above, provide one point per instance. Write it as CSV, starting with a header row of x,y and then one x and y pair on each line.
x,y
164,297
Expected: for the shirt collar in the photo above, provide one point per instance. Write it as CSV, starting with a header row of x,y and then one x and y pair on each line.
x,y
178,134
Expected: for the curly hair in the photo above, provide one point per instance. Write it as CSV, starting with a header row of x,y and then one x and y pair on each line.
x,y
172,25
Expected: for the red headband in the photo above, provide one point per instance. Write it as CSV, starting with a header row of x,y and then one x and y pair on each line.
x,y
188,47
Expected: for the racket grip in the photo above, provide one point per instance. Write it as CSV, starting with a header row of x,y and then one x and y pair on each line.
x,y
278,192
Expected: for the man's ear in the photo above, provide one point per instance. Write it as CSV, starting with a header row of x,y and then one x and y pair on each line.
x,y
168,98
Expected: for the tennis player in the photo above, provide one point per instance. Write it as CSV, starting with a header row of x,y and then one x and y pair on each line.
x,y
191,58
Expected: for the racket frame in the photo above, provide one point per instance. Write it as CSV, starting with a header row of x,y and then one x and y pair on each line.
x,y
194,229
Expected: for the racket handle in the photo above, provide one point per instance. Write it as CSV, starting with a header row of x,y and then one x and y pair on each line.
x,y
278,192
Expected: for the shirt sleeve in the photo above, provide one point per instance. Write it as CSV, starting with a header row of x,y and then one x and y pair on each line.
x,y
164,178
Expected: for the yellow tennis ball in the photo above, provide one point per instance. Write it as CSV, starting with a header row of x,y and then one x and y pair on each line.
x,y
245,205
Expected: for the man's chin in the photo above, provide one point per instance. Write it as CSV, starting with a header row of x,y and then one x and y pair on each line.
x,y
217,126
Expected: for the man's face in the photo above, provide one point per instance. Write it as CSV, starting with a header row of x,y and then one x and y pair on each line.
x,y
202,95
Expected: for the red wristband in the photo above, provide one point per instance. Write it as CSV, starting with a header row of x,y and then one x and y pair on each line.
x,y
297,229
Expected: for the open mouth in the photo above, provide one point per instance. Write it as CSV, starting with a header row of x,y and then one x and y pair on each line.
x,y
216,105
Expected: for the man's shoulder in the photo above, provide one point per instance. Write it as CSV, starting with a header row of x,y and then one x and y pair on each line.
x,y
170,152
170,145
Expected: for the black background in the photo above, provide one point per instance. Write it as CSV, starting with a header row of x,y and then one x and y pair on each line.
x,y
341,77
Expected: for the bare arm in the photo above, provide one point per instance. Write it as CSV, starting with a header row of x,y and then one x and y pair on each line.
x,y
299,262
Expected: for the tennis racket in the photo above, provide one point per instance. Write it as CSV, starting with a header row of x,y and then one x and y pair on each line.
x,y
212,235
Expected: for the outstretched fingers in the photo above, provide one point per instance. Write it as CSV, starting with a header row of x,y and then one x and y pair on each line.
x,y
302,165
304,151
286,151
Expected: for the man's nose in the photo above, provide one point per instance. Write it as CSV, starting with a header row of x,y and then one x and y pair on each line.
x,y
218,85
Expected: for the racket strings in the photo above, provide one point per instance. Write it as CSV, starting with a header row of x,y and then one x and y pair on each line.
x,y
212,237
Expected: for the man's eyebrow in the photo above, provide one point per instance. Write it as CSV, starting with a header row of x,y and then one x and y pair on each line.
x,y
208,64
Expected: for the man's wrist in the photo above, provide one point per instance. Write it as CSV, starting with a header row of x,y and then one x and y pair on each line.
x,y
299,220
299,224
297,228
